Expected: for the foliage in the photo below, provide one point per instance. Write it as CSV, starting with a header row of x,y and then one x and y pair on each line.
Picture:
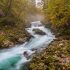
x,y
58,13
15,11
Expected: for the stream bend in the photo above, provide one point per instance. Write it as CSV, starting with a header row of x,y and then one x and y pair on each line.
x,y
13,58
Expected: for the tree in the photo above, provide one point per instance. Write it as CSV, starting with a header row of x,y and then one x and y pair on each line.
x,y
15,11
58,13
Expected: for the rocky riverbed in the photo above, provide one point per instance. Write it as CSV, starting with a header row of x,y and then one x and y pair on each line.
x,y
55,57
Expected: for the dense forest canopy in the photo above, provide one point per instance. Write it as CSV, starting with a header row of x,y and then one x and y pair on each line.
x,y
58,13
15,10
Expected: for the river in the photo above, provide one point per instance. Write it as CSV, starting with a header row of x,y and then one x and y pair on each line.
x,y
13,58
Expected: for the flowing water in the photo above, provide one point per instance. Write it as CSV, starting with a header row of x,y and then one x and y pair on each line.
x,y
13,58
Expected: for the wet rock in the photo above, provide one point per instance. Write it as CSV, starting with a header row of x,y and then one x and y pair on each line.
x,y
28,36
27,55
34,49
38,31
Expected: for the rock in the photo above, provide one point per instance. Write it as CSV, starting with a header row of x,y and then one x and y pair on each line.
x,y
38,31
33,49
58,34
29,37
8,43
61,44
22,40
11,44
27,55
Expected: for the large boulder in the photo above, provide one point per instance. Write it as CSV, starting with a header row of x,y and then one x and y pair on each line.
x,y
38,31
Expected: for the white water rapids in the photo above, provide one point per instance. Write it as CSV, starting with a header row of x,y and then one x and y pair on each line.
x,y
12,59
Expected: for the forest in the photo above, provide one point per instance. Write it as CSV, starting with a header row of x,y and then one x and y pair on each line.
x,y
58,14
57,55
13,14
25,28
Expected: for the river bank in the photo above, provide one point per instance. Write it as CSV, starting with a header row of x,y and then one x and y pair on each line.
x,y
55,57
10,36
